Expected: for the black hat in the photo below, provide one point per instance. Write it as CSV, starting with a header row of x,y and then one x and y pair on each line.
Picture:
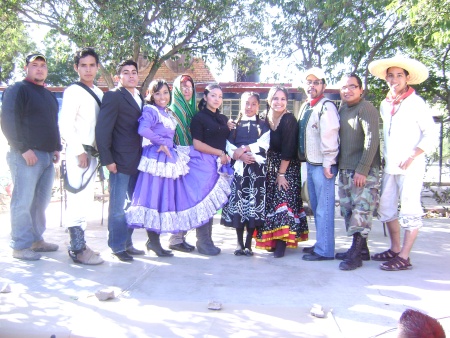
x,y
32,57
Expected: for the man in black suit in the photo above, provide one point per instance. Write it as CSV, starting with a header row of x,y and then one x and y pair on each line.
x,y
120,146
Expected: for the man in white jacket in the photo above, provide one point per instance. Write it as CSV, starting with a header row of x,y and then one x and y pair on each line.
x,y
78,118
408,134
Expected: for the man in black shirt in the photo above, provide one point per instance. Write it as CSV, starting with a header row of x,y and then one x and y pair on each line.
x,y
30,124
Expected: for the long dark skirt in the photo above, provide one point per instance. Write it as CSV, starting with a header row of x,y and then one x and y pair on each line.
x,y
285,216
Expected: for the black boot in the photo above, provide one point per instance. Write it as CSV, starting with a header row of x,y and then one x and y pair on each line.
x,y
280,248
365,254
205,245
353,259
77,242
154,244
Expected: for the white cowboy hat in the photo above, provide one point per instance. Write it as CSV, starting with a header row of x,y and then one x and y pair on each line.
x,y
418,72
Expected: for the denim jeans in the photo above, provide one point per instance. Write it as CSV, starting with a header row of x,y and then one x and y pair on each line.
x,y
30,198
322,198
121,189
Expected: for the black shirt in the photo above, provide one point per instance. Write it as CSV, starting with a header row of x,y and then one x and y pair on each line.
x,y
210,128
30,118
284,139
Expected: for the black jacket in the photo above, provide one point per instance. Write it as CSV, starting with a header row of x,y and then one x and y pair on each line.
x,y
116,132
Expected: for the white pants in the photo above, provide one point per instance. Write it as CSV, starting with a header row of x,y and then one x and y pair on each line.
x,y
407,188
78,204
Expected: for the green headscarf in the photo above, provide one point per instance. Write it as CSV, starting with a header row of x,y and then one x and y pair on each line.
x,y
183,112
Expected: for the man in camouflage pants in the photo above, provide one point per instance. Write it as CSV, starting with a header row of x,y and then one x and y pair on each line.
x,y
359,163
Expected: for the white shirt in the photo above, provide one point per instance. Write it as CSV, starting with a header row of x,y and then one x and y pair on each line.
x,y
78,117
410,127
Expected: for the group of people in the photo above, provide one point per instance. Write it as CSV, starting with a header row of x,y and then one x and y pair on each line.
x,y
173,165
347,141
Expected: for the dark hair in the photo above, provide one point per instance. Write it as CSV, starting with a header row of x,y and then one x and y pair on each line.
x,y
83,53
126,63
415,324
202,103
272,92
155,86
406,72
187,78
358,79
241,113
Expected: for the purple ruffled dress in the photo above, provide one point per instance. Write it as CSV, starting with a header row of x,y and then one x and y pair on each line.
x,y
175,193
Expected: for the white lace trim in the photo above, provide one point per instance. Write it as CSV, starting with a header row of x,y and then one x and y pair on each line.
x,y
173,222
168,121
168,170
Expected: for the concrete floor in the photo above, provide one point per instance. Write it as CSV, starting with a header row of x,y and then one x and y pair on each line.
x,y
261,296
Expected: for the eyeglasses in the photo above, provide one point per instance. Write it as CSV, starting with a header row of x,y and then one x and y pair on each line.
x,y
315,82
189,89
350,87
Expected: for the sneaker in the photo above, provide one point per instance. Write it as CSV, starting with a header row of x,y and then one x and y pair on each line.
x,y
43,246
26,254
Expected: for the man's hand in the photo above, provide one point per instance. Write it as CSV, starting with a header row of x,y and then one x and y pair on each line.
x,y
327,172
56,157
112,168
83,160
359,180
405,164
30,157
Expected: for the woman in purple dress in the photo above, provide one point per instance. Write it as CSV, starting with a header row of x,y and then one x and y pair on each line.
x,y
178,188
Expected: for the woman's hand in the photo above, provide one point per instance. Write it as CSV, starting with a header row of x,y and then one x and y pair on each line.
x,y
231,124
223,158
282,183
247,158
165,150
406,163
238,153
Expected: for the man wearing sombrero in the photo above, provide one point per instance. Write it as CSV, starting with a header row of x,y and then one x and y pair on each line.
x,y
408,133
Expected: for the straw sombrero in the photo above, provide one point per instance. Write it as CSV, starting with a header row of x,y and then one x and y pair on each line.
x,y
418,72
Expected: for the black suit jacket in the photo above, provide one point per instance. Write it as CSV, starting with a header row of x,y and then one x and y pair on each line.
x,y
116,132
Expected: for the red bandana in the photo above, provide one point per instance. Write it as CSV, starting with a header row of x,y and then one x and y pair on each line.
x,y
394,101
313,102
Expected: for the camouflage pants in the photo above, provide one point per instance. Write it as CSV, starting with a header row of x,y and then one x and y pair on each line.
x,y
358,203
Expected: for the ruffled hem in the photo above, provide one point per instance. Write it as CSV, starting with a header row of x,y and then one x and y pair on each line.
x,y
173,222
167,169
267,241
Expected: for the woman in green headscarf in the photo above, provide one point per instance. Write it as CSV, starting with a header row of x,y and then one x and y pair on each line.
x,y
184,107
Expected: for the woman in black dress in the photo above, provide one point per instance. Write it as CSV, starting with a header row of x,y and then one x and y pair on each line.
x,y
210,132
286,223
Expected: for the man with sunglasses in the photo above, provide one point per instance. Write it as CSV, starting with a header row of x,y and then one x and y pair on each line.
x,y
319,148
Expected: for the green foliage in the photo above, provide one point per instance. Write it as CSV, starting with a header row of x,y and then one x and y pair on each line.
x,y
158,29
59,55
14,41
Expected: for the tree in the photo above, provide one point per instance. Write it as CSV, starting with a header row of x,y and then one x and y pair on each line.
x,y
157,29
59,53
14,42
338,36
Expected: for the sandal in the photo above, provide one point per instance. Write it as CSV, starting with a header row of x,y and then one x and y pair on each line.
x,y
385,256
396,264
